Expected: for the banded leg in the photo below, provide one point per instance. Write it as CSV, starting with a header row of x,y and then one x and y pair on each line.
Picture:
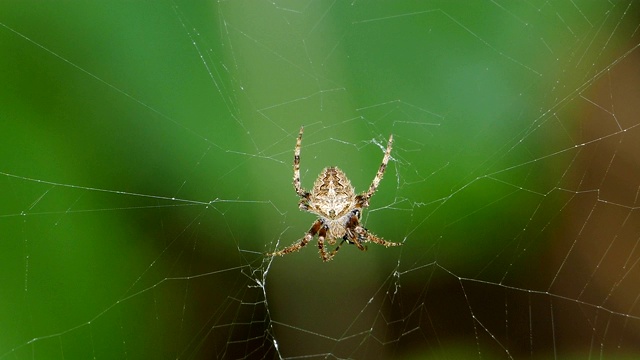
x,y
317,226
354,241
296,168
376,180
322,234
365,235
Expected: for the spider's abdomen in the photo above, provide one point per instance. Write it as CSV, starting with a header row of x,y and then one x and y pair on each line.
x,y
332,195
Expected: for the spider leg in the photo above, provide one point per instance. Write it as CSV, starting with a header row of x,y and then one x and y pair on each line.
x,y
354,241
365,235
376,180
354,238
317,226
321,237
296,169
338,247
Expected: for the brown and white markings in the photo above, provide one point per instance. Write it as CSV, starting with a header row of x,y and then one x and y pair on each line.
x,y
339,209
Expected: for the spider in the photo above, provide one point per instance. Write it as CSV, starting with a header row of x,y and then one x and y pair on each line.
x,y
339,209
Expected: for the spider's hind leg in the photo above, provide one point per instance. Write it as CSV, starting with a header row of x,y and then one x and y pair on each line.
x,y
365,235
317,226
322,234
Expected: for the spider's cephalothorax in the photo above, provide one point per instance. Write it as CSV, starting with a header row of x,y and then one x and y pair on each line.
x,y
334,200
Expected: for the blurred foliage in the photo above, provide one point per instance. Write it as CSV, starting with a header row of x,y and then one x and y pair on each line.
x,y
146,162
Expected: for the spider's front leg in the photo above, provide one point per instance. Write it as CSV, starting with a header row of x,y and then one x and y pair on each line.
x,y
304,203
364,198
317,226
304,194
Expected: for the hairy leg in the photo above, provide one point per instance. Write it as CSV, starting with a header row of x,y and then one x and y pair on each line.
x,y
321,237
317,226
296,168
376,180
365,235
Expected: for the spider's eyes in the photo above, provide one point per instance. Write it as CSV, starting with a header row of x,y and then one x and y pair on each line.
x,y
356,212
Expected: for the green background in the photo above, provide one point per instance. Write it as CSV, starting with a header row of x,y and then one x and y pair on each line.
x,y
145,165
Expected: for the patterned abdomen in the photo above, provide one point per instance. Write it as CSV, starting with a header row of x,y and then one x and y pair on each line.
x,y
332,194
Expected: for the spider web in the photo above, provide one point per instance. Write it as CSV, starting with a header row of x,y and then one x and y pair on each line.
x,y
147,162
